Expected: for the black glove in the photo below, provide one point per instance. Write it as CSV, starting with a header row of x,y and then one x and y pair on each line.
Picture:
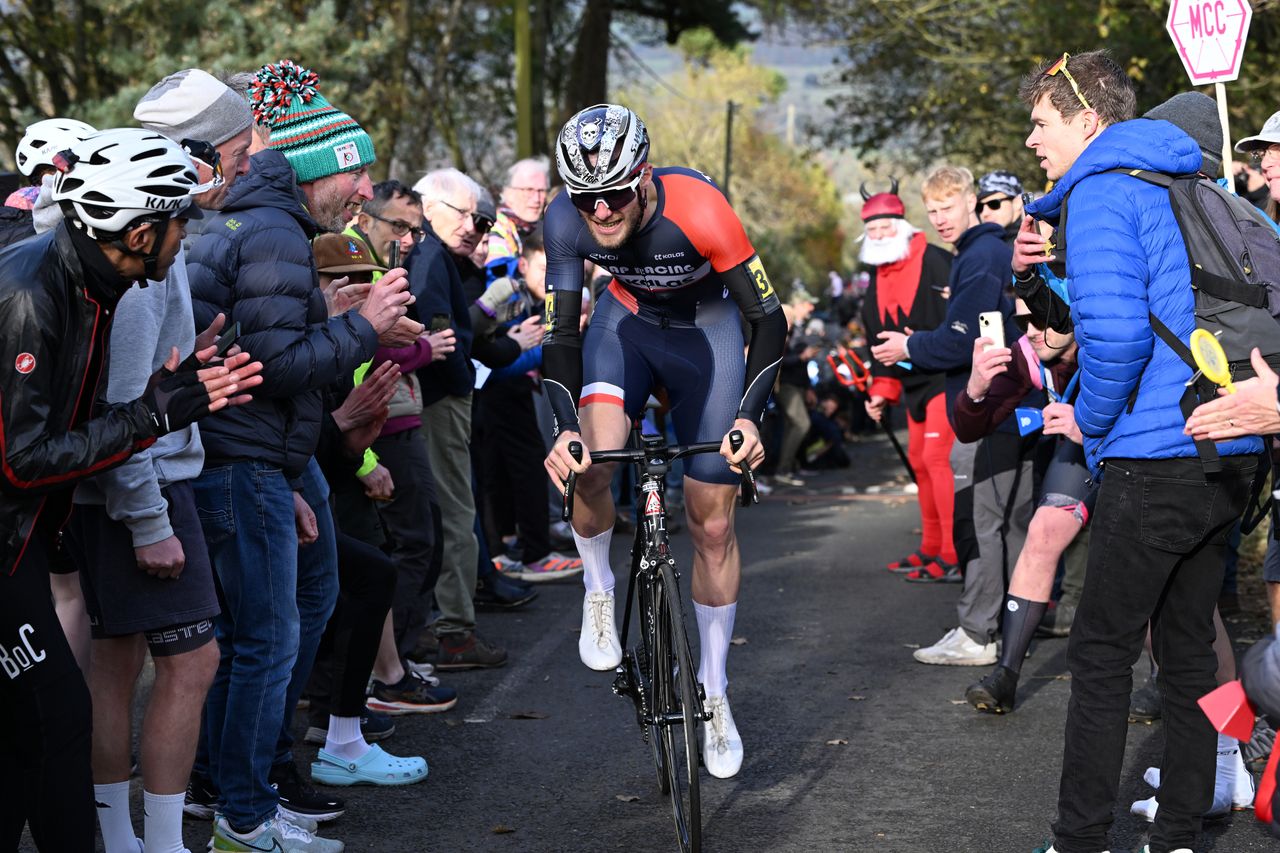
x,y
175,400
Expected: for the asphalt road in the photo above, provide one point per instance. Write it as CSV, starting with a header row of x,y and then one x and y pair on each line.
x,y
850,745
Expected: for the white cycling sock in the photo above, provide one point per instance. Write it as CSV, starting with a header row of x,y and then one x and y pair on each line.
x,y
597,574
345,739
715,630
162,822
113,817
1233,784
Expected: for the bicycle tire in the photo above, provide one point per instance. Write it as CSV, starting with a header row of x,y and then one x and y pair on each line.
x,y
646,670
676,696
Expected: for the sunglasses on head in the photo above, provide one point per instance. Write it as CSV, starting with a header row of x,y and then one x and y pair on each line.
x,y
994,203
1060,67
206,153
614,198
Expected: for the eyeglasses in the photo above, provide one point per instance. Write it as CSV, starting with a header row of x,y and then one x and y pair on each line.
x,y
614,198
1265,155
206,153
994,203
1022,321
1061,66
530,190
398,226
479,220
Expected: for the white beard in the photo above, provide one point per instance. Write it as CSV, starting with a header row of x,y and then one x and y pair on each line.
x,y
889,250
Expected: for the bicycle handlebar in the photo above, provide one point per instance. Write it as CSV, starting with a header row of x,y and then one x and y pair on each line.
x,y
750,494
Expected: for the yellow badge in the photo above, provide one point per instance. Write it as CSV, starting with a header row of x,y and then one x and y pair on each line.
x,y
756,268
550,311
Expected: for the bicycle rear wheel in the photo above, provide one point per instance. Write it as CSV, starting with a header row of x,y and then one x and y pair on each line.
x,y
678,705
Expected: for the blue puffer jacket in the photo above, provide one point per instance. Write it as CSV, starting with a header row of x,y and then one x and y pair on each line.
x,y
1125,259
253,262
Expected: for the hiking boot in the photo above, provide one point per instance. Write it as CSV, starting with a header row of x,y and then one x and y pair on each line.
x,y
467,651
1057,620
501,592
373,727
1144,704
994,694
202,797
956,649
297,797
427,649
412,695
552,567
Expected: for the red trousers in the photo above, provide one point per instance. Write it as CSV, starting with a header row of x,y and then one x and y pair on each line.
x,y
929,450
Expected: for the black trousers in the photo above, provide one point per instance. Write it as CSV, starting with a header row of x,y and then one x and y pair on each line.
x,y
508,448
46,719
1156,549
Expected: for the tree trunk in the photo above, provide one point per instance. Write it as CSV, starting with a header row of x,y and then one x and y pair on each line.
x,y
539,25
588,76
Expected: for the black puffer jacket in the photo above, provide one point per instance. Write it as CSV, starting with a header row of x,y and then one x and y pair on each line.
x,y
54,319
15,225
253,263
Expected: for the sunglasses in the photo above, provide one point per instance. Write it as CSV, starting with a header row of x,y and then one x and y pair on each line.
x,y
1022,321
479,220
994,204
206,153
399,227
1061,67
614,198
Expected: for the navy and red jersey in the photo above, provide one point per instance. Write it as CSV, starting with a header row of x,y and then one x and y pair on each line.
x,y
680,269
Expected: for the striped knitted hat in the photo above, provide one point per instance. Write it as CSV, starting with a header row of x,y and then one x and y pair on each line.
x,y
317,138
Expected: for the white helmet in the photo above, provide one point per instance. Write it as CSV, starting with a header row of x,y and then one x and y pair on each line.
x,y
46,138
614,134
114,177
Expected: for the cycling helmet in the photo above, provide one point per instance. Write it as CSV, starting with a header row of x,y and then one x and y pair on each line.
x,y
108,181
612,132
46,138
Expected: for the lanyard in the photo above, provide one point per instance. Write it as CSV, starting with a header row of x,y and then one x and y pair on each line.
x,y
1048,386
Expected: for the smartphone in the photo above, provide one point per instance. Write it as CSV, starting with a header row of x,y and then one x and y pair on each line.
x,y
440,322
991,325
393,257
1027,198
223,343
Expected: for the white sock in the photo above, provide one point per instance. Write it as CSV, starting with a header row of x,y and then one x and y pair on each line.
x,y
715,630
113,817
597,574
1233,784
162,822
344,739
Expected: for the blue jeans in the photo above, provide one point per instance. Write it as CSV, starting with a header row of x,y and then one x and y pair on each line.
x,y
246,510
317,595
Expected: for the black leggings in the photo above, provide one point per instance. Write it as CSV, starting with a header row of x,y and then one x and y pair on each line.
x,y
45,719
366,585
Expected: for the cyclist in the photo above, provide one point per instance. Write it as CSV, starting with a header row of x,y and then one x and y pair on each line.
x,y
683,272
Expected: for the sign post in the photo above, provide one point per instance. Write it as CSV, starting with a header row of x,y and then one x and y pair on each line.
x,y
1210,36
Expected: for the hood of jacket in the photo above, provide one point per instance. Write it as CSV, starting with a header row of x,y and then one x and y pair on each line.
x,y
271,183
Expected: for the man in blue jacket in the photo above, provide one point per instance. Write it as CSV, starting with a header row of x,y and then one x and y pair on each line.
x,y
1161,522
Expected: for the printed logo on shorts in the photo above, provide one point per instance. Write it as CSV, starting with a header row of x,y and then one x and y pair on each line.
x,y
1013,606
22,655
24,363
348,155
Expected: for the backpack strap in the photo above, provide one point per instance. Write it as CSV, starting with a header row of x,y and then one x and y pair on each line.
x,y
1254,512
1199,390
1228,289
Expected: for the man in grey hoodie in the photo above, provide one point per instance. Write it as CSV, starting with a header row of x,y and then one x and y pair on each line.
x,y
135,533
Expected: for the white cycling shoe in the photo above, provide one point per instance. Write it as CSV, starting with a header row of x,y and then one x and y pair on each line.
x,y
721,745
598,645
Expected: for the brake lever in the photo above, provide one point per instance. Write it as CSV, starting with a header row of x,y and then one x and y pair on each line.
x,y
749,494
566,510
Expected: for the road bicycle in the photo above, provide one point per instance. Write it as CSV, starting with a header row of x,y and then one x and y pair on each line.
x,y
659,674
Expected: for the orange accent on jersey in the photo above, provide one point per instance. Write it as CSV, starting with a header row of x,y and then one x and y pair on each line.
x,y
624,296
701,211
612,399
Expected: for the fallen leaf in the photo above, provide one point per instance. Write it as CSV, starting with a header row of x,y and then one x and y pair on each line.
x,y
627,798
840,741
959,701
738,641
856,698
502,829
528,715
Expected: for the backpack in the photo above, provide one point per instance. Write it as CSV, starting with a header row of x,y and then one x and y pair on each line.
x,y
1234,255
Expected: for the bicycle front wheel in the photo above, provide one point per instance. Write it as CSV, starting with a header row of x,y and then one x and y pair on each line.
x,y
678,705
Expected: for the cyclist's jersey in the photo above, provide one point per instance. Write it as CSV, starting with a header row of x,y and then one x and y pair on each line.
x,y
686,267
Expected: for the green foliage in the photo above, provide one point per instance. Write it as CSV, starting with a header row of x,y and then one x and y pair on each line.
x,y
934,79
789,205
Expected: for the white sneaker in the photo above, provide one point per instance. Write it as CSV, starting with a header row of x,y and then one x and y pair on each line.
x,y
956,649
721,745
598,644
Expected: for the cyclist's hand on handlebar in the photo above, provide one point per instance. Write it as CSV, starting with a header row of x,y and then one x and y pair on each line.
x,y
752,450
560,461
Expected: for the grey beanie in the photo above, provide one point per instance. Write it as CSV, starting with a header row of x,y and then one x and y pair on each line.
x,y
192,104
1196,114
